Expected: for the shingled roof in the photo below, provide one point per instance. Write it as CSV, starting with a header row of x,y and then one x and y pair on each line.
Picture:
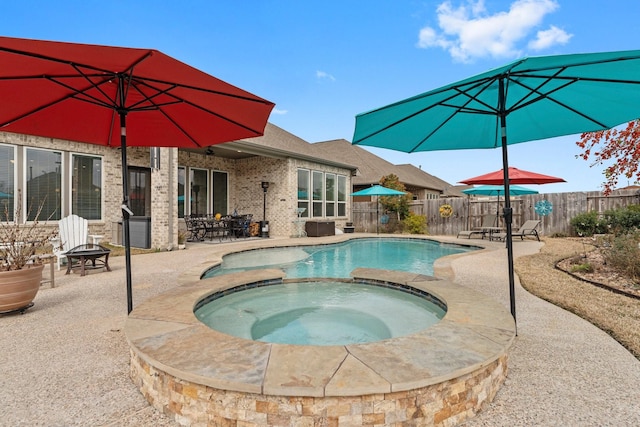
x,y
277,142
371,167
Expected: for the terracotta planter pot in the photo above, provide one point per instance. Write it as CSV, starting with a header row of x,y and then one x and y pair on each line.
x,y
18,288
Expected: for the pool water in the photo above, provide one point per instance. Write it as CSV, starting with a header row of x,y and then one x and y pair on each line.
x,y
340,259
320,313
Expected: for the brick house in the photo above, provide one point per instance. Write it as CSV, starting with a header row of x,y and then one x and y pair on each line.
x,y
86,179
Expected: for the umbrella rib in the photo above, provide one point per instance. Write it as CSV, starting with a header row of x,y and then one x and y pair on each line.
x,y
177,101
52,59
147,54
461,108
404,119
74,94
541,95
202,89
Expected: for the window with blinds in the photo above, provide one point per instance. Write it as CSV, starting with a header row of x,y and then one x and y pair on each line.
x,y
86,186
43,170
7,182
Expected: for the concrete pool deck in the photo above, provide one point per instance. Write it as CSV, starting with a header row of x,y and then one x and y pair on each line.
x,y
66,360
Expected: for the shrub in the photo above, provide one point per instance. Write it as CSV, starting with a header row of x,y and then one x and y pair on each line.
x,y
624,253
415,224
624,220
588,224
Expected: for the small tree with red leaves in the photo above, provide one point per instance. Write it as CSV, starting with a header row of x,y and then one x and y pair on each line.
x,y
621,145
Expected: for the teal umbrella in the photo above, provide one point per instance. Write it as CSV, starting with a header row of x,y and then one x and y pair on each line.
x,y
528,99
498,190
378,190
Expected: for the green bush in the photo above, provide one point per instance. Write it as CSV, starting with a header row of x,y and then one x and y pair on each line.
x,y
587,224
415,224
624,253
623,220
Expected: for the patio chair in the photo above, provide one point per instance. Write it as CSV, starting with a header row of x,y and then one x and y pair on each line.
x,y
195,228
73,232
488,220
529,228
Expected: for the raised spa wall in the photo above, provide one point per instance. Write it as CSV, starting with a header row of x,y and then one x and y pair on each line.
x,y
440,376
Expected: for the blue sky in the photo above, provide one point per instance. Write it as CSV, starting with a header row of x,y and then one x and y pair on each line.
x,y
323,62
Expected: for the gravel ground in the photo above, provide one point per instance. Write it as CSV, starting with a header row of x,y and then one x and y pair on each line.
x,y
65,362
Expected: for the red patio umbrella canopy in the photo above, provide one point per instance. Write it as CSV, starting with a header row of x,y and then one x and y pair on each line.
x,y
118,97
60,90
516,176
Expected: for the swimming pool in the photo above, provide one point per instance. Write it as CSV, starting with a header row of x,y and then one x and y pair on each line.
x,y
340,259
185,367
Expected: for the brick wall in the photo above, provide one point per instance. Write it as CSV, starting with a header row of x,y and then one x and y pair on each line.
x,y
245,192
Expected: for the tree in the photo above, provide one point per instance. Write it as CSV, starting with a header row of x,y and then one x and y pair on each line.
x,y
398,204
621,145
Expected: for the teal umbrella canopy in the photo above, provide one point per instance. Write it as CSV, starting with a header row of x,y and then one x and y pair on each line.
x,y
528,99
378,190
542,97
498,190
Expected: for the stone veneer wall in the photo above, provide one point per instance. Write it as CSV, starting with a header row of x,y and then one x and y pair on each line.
x,y
444,404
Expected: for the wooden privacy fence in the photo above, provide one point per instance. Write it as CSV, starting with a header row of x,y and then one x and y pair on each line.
x,y
468,212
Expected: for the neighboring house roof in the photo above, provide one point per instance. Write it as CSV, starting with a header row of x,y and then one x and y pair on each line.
x,y
427,180
277,142
371,167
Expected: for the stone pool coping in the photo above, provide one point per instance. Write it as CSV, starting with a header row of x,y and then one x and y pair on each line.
x,y
164,332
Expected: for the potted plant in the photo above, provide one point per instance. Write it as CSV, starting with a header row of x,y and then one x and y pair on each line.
x,y
21,246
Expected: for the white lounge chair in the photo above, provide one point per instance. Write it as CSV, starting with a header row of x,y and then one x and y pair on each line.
x,y
73,232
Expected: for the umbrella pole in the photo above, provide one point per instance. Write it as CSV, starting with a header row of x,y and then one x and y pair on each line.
x,y
126,212
377,218
508,214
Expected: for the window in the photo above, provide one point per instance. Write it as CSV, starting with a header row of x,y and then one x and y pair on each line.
x,y
342,195
182,176
44,182
7,181
330,194
140,191
318,193
303,192
220,193
86,186
199,190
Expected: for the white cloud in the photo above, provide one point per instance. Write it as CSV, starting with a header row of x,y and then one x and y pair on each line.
x,y
324,75
468,31
279,112
550,37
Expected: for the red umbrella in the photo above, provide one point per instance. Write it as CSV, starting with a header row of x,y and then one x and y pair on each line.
x,y
86,93
516,176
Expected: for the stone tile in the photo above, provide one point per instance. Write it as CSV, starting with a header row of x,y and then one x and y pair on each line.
x,y
136,329
354,378
302,370
204,356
